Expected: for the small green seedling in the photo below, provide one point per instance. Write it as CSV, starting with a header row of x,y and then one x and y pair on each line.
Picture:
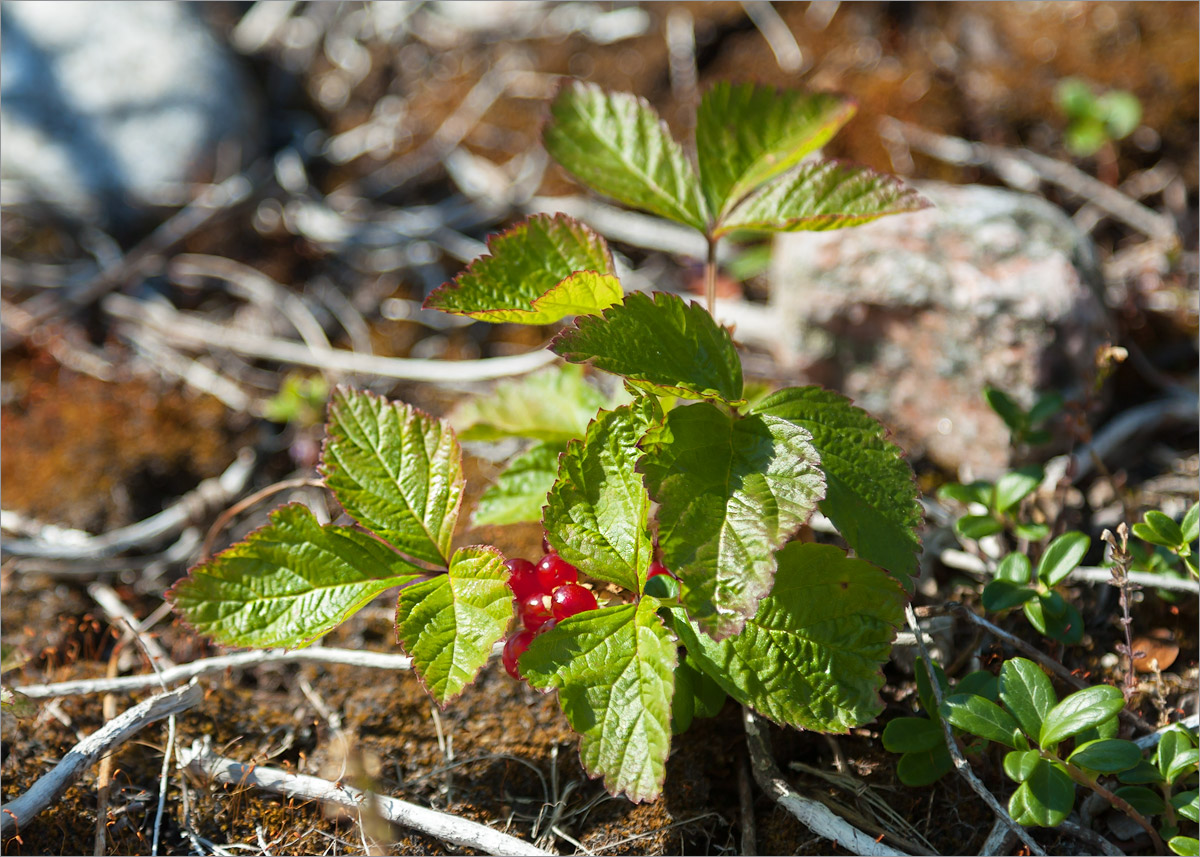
x,y
925,758
668,577
300,401
1159,530
1055,746
1096,120
1025,426
1016,584
1001,502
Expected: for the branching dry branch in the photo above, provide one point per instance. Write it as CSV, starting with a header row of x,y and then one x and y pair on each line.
x,y
87,752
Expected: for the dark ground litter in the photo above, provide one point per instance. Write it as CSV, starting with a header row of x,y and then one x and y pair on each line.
x,y
95,454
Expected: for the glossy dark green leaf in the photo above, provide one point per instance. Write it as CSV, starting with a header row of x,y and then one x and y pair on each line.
x,y
871,493
1190,528
1144,800
1187,804
1140,774
1170,532
731,491
1031,532
912,735
977,526
615,143
1019,764
1185,846
1062,556
1014,568
1081,710
1106,756
288,582
660,344
1173,741
1002,595
981,717
925,767
1044,799
747,134
1012,488
1014,415
981,683
974,492
541,270
1026,691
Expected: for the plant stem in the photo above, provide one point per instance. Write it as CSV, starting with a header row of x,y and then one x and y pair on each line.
x,y
710,276
1118,802
1120,572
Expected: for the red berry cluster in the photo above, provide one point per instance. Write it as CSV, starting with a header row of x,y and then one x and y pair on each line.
x,y
544,595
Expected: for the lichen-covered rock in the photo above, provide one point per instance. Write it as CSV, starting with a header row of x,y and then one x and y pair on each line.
x,y
913,315
108,108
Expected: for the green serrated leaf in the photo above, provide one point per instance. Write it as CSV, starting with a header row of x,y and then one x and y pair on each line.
x,y
660,344
1062,556
1044,799
1081,710
821,196
519,492
541,270
554,405
731,491
1027,692
395,470
1004,594
811,655
911,735
1014,568
979,716
747,134
597,512
871,494
1106,756
925,767
614,669
288,582
615,143
449,623
1012,488
1019,764
977,526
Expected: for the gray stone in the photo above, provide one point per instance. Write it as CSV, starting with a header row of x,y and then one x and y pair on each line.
x,y
107,108
913,315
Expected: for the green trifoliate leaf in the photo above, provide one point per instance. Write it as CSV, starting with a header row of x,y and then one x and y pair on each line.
x,y
614,669
1026,691
449,623
812,654
615,143
731,491
541,270
288,582
1081,710
597,511
912,735
1106,755
1044,799
748,134
553,405
1062,556
820,196
661,345
871,494
519,493
395,470
980,717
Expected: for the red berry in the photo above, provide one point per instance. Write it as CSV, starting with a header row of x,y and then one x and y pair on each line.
x,y
513,649
533,612
657,568
553,571
546,546
571,599
522,578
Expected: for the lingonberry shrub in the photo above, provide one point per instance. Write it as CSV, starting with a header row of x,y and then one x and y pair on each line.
x,y
683,471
